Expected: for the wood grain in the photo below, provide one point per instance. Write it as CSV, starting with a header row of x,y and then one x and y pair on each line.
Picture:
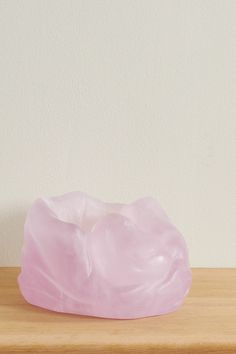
x,y
206,323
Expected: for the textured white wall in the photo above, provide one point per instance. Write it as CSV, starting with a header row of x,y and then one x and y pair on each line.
x,y
121,99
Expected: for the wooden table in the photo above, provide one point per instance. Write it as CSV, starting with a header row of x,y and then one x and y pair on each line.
x,y
206,323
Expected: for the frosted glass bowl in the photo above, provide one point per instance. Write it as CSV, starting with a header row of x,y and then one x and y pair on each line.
x,y
84,256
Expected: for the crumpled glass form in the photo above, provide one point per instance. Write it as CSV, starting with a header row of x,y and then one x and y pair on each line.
x,y
83,256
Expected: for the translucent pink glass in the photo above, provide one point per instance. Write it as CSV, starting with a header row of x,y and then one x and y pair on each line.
x,y
84,256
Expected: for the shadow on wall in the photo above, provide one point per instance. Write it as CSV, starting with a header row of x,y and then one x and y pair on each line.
x,y
11,236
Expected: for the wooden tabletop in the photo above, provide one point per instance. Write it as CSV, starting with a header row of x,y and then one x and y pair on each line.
x,y
206,323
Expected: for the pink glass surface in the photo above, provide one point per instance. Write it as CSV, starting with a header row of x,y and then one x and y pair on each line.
x,y
84,256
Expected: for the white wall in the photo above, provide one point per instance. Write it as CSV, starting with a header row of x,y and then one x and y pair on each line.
x,y
121,99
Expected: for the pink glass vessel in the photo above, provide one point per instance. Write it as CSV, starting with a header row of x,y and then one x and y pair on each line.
x,y
84,256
